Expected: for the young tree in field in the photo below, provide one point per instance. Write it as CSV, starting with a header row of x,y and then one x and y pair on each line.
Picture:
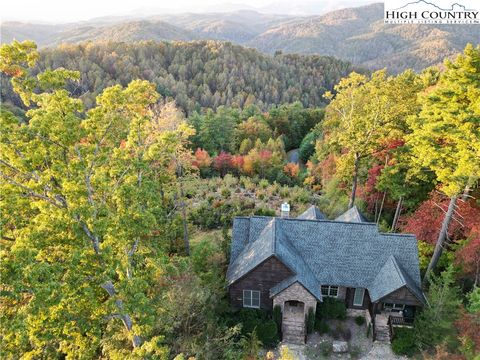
x,y
363,115
79,271
446,134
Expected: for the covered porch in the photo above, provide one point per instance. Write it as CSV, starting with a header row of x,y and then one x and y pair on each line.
x,y
295,303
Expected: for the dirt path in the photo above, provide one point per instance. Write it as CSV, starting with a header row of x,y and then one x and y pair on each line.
x,y
383,351
378,351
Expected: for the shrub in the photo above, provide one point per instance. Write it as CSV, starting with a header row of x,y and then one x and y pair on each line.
x,y
268,333
325,348
250,319
251,345
332,308
263,211
263,184
346,333
341,332
310,321
321,326
260,322
277,316
225,192
359,320
404,342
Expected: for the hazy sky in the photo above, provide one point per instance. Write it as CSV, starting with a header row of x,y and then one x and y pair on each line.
x,y
69,10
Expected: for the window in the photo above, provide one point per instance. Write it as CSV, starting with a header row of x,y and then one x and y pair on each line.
x,y
393,307
358,296
251,298
329,290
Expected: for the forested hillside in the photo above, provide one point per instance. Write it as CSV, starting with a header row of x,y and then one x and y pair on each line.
x,y
360,36
196,74
357,35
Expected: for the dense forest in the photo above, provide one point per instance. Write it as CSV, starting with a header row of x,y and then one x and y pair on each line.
x,y
204,74
116,211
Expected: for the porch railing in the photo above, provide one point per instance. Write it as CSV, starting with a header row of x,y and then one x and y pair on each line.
x,y
400,320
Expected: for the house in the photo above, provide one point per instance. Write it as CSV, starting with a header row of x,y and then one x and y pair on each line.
x,y
296,262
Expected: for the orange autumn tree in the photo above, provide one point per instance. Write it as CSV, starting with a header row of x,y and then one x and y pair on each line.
x,y
291,169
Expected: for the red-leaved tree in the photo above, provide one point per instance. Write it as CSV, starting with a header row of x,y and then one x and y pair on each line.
x,y
222,163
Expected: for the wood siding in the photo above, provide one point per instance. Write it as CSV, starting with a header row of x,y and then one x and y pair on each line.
x,y
350,296
401,296
262,278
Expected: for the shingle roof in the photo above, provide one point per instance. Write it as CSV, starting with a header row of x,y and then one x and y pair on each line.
x,y
352,254
392,277
352,215
312,213
265,245
254,253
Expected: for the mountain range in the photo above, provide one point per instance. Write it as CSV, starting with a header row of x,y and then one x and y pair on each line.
x,y
357,35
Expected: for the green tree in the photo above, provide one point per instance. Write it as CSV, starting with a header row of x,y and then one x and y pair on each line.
x,y
217,130
446,133
363,115
435,324
79,273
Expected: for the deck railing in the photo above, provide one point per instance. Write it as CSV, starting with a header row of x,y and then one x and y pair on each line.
x,y
400,320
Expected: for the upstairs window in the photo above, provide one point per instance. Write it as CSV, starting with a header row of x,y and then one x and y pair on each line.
x,y
251,299
329,290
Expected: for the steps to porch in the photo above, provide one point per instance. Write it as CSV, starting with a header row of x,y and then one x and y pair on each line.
x,y
293,323
293,331
382,329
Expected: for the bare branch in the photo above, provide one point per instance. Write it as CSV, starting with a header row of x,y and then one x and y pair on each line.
x,y
91,236
30,193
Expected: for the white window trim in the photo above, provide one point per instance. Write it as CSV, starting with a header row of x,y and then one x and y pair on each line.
x,y
363,296
251,299
329,290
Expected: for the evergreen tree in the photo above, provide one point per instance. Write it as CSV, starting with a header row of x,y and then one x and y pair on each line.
x,y
434,325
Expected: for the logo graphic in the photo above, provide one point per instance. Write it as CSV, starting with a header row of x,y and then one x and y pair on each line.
x,y
431,12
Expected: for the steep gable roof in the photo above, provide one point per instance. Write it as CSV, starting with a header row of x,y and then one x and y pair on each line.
x,y
351,254
254,253
312,287
352,215
312,213
269,243
392,277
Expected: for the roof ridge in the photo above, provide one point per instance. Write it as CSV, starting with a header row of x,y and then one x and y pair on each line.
x,y
274,234
397,234
331,221
398,268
